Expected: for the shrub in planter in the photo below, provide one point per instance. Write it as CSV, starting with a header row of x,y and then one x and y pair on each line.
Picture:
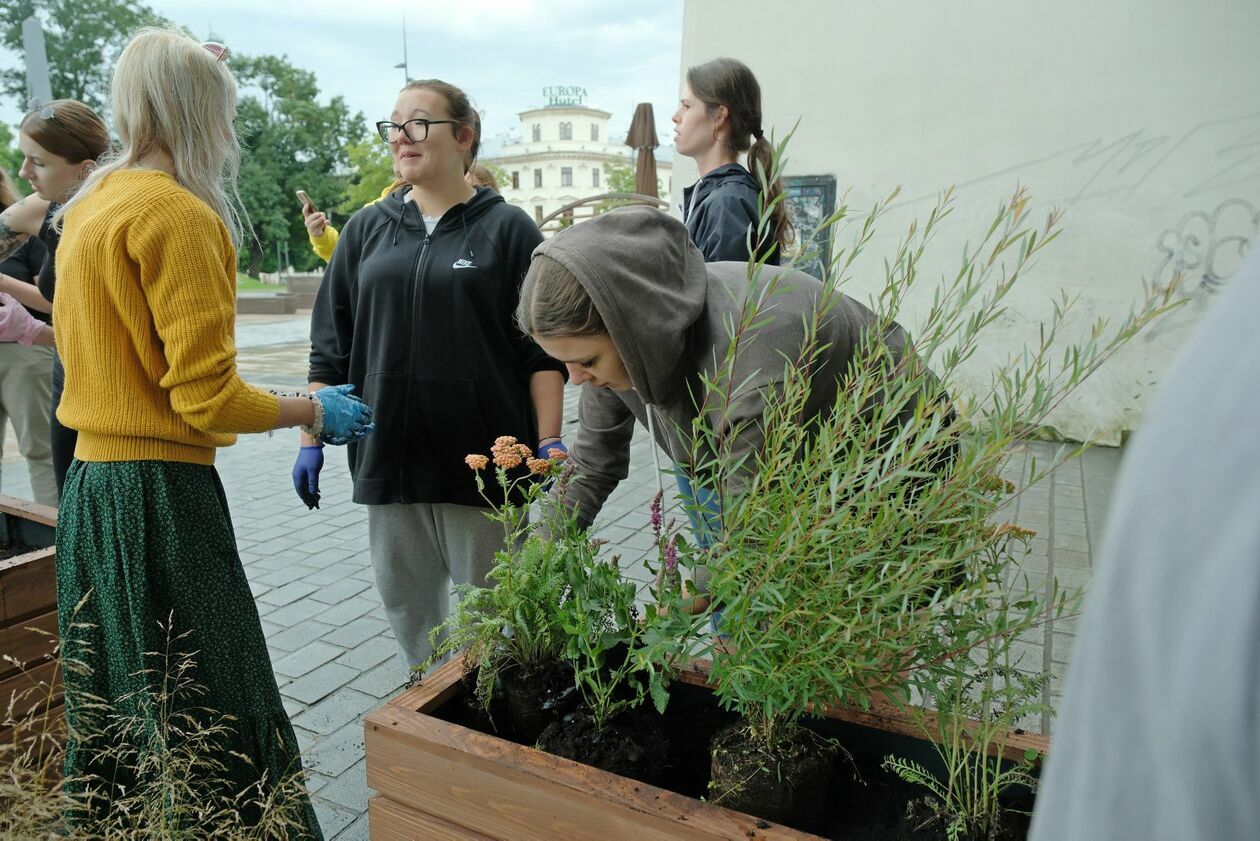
x,y
857,548
514,629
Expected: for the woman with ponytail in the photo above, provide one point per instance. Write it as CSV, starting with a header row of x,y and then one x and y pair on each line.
x,y
718,119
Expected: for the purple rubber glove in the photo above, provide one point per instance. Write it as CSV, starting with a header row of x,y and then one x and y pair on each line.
x,y
306,469
16,324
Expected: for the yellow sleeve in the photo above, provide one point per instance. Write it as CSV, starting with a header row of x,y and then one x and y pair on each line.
x,y
188,276
324,244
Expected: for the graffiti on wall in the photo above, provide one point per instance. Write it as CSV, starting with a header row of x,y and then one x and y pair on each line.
x,y
1206,247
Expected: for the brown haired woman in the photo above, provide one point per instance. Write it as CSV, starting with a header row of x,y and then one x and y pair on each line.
x,y
61,142
718,117
25,369
416,310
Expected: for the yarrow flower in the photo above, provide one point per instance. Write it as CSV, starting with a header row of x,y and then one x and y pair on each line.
x,y
507,458
557,453
476,461
526,452
503,441
1013,531
537,466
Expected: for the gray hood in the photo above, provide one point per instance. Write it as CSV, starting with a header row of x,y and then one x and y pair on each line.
x,y
647,303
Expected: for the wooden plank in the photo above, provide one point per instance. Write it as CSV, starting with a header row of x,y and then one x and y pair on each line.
x,y
28,642
28,586
53,721
885,715
438,687
511,791
503,801
28,510
390,821
27,691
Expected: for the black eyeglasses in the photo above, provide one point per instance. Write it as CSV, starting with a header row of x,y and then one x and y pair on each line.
x,y
389,131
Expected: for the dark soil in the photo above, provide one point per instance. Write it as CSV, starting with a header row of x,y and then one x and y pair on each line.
x,y
7,551
862,802
786,788
632,745
536,698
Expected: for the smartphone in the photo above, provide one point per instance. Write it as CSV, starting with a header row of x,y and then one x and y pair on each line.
x,y
306,200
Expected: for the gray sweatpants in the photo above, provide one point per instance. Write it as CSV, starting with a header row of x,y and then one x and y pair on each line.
x,y
419,552
26,400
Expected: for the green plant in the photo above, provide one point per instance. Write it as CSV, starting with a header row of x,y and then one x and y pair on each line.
x,y
852,533
978,701
171,753
602,630
518,621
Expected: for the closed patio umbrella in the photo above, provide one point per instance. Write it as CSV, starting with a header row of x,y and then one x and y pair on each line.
x,y
642,136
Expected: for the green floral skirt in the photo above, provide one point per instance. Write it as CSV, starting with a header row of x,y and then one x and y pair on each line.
x,y
170,697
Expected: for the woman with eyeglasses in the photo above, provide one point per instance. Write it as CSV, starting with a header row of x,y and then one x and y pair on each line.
x,y
146,555
324,236
60,142
416,309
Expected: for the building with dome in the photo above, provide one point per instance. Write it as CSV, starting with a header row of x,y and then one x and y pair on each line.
x,y
561,154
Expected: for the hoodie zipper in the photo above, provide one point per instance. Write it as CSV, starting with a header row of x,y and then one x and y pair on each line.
x,y
416,279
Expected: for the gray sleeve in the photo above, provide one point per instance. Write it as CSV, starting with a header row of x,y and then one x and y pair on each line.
x,y
600,454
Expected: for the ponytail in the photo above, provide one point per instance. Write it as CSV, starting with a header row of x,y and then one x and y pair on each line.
x,y
728,82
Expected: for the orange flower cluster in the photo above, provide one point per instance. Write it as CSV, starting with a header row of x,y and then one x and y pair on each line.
x,y
537,466
557,454
476,461
508,453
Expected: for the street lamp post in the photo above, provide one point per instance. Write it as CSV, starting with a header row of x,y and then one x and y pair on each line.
x,y
403,66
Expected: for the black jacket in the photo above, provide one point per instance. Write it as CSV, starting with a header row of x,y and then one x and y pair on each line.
x,y
423,326
25,264
718,210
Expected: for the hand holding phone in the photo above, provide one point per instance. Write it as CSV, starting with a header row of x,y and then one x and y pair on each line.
x,y
306,202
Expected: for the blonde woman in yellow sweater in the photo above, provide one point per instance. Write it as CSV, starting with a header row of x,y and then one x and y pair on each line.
x,y
144,319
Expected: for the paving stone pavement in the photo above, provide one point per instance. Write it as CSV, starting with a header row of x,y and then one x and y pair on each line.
x,y
331,648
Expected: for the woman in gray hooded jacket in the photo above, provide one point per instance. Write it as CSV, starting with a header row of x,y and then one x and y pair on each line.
x,y
628,303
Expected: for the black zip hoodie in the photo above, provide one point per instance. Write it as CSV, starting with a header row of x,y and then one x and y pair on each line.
x,y
422,325
718,210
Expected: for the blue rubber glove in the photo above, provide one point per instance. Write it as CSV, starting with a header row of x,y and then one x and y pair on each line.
x,y
306,469
346,417
557,444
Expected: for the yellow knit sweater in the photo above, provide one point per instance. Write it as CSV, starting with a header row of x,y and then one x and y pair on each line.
x,y
145,317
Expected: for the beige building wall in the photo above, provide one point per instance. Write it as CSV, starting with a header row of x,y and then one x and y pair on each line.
x,y
540,164
1140,118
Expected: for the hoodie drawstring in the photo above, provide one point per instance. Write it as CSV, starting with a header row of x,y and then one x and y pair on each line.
x,y
656,454
398,222
463,221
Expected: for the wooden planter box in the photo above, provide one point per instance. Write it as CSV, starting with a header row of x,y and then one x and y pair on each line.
x,y
438,780
28,611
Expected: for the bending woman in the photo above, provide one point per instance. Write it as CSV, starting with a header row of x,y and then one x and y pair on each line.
x,y
627,302
145,319
417,309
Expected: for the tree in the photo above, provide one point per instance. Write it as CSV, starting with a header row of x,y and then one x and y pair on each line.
x,y
290,142
11,158
371,170
83,39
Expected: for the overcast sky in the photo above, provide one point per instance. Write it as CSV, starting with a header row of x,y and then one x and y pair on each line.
x,y
501,52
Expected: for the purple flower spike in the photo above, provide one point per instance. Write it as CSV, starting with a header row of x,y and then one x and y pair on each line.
x,y
671,556
656,514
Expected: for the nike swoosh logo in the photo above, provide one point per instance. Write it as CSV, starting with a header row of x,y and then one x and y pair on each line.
x,y
463,264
